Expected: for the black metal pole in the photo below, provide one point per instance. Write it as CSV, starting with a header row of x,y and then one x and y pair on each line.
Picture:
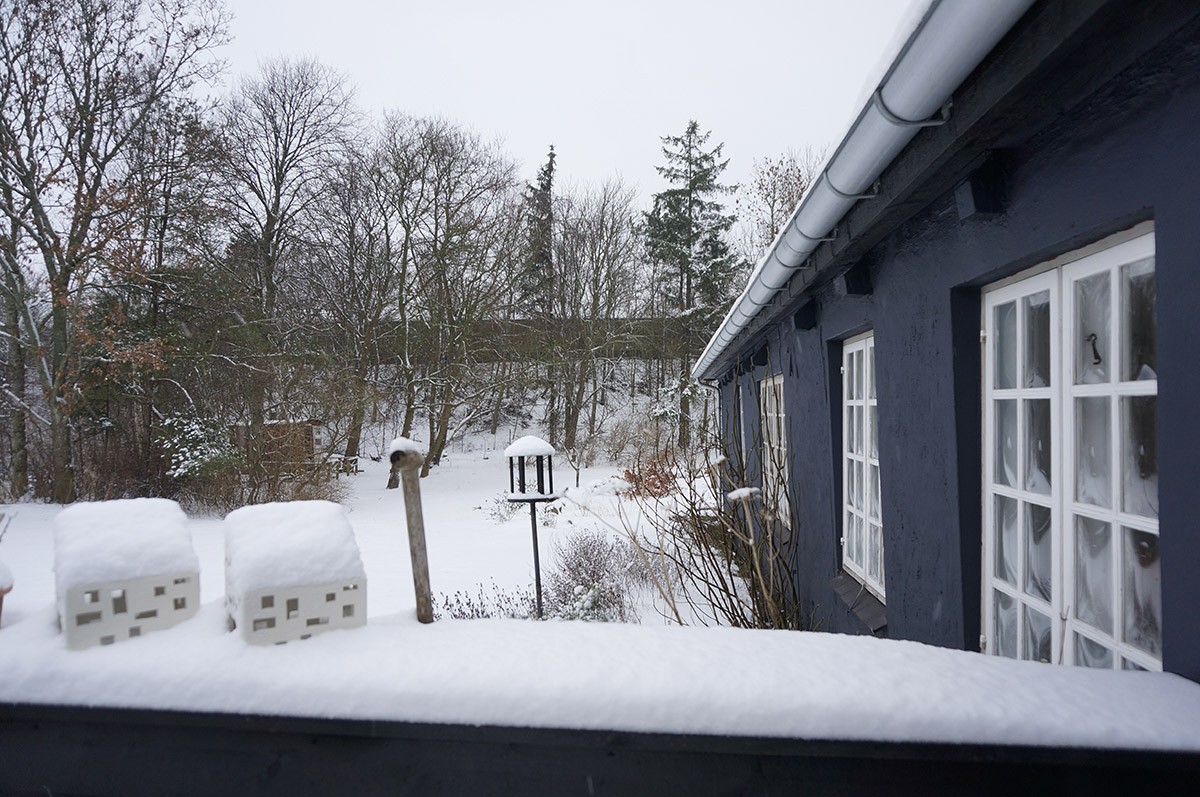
x,y
537,565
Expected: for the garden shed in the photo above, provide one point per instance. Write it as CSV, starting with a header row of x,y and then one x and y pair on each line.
x,y
292,569
122,569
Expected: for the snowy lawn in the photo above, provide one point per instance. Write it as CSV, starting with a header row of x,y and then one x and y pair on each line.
x,y
647,677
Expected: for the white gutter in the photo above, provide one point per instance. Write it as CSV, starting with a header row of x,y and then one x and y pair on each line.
x,y
952,39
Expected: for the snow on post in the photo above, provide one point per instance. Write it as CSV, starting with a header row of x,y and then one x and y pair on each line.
x,y
407,456
292,570
123,568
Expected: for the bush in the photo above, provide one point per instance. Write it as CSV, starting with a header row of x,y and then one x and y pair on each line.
x,y
499,509
519,604
594,578
651,478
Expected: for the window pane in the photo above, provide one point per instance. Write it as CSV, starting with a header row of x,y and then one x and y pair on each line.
x,y
1142,591
1006,345
1139,455
873,491
1092,654
1038,446
1093,573
858,374
858,540
871,371
1037,636
1037,340
1093,482
848,364
874,423
1126,664
1006,539
1005,624
1138,296
852,430
857,414
1091,344
1006,442
1039,555
872,553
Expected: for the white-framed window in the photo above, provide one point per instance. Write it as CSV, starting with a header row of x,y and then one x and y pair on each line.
x,y
862,518
1070,517
773,447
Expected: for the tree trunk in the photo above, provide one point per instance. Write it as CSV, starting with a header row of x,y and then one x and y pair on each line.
x,y
17,442
685,407
359,412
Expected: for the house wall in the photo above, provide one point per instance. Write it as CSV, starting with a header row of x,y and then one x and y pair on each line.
x,y
1125,152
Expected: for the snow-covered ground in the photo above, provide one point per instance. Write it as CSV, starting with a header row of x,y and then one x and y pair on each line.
x,y
650,677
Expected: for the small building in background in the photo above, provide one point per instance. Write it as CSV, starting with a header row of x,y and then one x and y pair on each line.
x,y
287,445
292,570
123,568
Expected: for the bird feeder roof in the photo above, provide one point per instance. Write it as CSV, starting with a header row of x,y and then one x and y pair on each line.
x,y
529,446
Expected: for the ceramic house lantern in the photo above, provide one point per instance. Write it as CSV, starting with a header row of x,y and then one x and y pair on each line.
x,y
530,469
292,570
123,569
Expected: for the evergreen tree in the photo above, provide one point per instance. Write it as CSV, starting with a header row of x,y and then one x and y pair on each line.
x,y
535,290
686,234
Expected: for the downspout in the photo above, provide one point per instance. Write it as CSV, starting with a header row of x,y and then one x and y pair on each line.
x,y
948,44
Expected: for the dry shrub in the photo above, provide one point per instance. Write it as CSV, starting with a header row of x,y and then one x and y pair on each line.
x,y
651,478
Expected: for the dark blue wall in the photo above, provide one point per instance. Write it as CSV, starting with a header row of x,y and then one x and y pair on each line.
x,y
1126,151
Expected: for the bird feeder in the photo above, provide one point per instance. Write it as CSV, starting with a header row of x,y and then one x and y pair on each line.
x,y
531,481
530,470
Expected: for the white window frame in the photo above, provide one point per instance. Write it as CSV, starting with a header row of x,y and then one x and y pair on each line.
x,y
1065,624
862,503
773,447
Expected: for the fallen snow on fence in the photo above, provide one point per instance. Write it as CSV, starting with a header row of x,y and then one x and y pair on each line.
x,y
560,674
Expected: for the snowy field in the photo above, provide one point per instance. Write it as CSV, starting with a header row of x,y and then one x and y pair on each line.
x,y
649,677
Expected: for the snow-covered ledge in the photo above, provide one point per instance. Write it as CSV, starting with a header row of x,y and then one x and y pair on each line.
x,y
716,681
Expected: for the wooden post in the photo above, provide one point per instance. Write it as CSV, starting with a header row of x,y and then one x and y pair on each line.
x,y
407,465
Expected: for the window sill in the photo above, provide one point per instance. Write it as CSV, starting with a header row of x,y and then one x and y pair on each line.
x,y
861,603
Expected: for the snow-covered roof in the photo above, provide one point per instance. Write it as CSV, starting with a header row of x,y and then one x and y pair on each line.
x,y
405,446
943,42
529,446
107,541
294,543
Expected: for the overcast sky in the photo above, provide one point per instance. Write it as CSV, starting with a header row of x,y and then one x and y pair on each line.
x,y
603,81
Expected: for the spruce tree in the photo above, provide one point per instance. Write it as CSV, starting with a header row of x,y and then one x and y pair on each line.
x,y
686,234
536,280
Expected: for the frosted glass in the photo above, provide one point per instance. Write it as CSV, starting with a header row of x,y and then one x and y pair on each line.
x,y
1093,448
1038,446
870,372
1093,310
1142,591
873,491
858,539
1094,573
1139,339
874,423
1006,442
1092,654
1006,539
1139,455
1037,340
1039,552
1037,636
1006,345
872,554
1005,624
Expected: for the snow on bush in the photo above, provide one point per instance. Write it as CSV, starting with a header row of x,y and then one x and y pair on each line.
x,y
594,577
196,446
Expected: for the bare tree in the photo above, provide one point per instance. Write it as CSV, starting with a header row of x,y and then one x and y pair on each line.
x,y
281,131
78,81
766,201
